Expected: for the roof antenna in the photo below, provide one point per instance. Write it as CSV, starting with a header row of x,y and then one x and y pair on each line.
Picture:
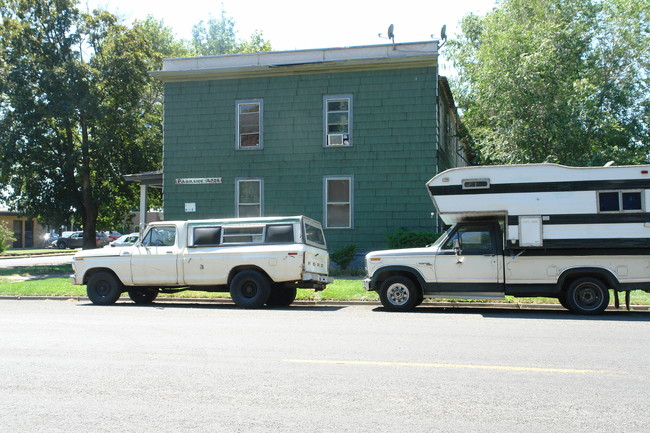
x,y
391,34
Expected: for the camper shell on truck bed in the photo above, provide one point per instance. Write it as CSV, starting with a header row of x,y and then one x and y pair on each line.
x,y
527,230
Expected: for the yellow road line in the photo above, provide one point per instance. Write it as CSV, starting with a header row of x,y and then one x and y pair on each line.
x,y
457,366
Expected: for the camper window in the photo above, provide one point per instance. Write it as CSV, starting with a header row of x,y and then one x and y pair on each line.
x,y
243,235
620,201
476,183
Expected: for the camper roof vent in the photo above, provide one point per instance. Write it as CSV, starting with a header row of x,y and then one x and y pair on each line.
x,y
476,183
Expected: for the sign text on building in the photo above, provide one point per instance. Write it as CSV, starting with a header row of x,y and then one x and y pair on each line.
x,y
198,181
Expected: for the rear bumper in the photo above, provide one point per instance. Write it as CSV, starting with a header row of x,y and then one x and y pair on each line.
x,y
317,281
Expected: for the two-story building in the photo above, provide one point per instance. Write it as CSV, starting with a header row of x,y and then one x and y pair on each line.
x,y
347,136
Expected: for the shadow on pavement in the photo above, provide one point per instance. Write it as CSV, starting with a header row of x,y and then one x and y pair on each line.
x,y
621,315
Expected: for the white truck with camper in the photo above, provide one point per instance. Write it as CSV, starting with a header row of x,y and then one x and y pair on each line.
x,y
572,233
258,260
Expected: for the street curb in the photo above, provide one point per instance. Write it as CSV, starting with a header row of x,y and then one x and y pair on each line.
x,y
328,303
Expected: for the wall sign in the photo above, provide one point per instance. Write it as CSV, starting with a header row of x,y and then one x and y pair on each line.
x,y
198,181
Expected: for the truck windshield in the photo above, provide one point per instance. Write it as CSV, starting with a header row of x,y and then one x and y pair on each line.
x,y
160,237
441,239
314,235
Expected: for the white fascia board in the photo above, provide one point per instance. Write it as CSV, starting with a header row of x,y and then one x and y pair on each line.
x,y
214,67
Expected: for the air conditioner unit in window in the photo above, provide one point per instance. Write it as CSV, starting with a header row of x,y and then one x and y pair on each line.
x,y
338,139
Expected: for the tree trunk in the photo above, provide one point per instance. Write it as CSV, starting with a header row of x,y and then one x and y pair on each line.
x,y
90,209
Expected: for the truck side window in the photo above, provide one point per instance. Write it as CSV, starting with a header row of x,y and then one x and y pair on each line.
x,y
279,233
207,236
160,237
472,240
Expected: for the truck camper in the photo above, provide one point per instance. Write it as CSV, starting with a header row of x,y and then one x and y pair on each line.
x,y
572,233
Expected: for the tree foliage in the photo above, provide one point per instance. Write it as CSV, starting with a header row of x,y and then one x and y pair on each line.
x,y
74,113
218,36
556,81
78,109
6,236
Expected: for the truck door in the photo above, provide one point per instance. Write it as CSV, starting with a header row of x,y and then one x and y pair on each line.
x,y
153,261
470,262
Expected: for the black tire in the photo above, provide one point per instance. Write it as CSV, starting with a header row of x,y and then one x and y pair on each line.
x,y
562,299
143,296
250,289
282,296
61,245
400,294
104,288
587,295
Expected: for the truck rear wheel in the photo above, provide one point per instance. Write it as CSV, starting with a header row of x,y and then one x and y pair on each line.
x,y
143,296
399,294
250,289
282,296
104,288
587,295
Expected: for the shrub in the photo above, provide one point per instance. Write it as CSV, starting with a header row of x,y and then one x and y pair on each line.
x,y
344,256
6,237
410,238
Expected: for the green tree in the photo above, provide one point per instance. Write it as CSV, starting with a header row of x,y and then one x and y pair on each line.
x,y
6,236
162,40
74,113
556,81
218,36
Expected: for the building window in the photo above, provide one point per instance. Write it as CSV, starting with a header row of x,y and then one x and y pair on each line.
x,y
249,197
338,202
338,120
620,201
249,124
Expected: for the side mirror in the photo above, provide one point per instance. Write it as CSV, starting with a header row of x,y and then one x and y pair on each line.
x,y
457,249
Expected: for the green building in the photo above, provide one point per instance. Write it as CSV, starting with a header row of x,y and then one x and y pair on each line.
x,y
347,136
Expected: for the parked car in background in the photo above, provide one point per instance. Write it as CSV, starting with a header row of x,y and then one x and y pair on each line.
x,y
76,240
113,235
125,240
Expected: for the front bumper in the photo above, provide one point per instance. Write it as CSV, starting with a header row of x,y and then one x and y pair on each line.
x,y
367,284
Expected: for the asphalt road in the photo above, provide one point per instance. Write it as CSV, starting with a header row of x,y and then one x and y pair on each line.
x,y
68,366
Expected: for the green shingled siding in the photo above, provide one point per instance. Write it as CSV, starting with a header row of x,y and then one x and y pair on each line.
x,y
393,155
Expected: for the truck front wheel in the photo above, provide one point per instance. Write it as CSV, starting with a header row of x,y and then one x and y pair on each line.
x,y
103,288
399,294
587,295
250,289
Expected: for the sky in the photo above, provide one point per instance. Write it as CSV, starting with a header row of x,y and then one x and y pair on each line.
x,y
308,24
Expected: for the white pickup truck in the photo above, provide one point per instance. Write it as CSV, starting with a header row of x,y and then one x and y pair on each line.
x,y
258,260
571,233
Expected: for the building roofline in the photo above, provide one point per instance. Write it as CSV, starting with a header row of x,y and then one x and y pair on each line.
x,y
301,61
152,178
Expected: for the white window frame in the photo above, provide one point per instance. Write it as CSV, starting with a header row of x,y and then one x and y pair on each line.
x,y
347,137
620,201
238,205
327,202
238,134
